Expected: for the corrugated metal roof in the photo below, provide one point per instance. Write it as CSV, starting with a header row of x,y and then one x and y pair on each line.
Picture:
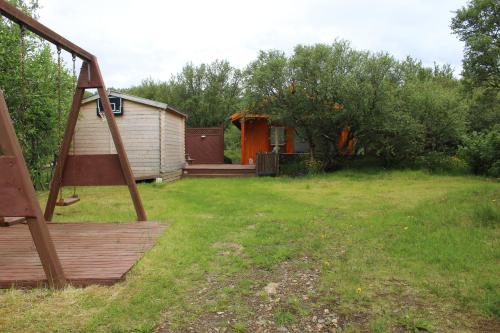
x,y
136,99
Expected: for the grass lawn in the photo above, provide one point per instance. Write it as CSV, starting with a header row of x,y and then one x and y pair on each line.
x,y
372,251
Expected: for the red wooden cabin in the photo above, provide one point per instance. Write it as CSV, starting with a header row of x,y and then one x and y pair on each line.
x,y
260,134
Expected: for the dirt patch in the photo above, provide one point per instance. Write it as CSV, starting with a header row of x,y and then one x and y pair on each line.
x,y
287,299
284,299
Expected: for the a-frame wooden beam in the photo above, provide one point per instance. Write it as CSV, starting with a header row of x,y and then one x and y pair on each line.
x,y
18,197
90,77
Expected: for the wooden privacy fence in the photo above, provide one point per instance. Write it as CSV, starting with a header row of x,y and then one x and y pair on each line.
x,y
268,164
205,145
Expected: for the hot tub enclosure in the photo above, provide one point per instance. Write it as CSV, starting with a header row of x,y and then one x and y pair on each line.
x,y
153,134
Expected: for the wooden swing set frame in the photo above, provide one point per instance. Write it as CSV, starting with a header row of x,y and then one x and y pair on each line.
x,y
17,193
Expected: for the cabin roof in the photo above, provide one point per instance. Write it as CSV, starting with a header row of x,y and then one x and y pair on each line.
x,y
140,100
239,115
236,117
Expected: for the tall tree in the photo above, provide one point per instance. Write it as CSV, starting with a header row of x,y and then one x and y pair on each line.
x,y
478,25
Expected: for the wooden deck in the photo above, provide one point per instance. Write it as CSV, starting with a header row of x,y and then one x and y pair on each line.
x,y
218,170
90,253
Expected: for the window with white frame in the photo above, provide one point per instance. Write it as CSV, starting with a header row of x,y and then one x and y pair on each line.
x,y
277,136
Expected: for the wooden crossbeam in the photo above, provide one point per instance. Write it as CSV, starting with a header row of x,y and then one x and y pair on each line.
x,y
16,15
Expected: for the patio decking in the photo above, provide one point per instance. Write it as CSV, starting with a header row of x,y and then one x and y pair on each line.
x,y
90,253
218,170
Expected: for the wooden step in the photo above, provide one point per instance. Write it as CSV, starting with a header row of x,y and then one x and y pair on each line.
x,y
218,170
215,175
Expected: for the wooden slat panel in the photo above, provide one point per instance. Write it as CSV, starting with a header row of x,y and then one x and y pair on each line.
x,y
93,170
13,200
267,164
91,253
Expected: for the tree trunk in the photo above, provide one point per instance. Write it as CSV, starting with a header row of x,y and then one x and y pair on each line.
x,y
312,149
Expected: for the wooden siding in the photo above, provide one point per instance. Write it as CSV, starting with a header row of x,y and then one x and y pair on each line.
x,y
140,131
173,151
171,176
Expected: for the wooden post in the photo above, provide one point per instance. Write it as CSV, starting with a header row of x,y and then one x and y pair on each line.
x,y
127,171
38,228
242,120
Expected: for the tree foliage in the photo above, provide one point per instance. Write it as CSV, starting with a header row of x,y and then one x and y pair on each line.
x,y
208,94
396,110
481,150
478,25
30,87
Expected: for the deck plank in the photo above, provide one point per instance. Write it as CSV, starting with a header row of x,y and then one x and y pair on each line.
x,y
90,253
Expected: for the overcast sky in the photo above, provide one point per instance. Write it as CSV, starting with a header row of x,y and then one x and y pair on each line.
x,y
137,39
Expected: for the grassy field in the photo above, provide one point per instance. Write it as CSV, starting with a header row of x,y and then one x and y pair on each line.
x,y
365,251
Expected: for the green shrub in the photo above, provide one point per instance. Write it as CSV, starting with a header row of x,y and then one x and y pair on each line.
x,y
300,165
437,162
400,139
293,168
481,150
232,146
314,167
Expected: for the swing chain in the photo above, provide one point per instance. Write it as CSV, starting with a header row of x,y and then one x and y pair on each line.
x,y
73,57
59,111
59,103
22,55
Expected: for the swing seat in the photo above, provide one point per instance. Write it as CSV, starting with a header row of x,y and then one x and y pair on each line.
x,y
68,201
8,221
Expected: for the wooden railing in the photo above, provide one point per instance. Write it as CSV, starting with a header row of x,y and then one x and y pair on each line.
x,y
268,164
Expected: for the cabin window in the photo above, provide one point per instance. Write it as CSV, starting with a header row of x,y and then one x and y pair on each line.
x,y
300,144
277,135
116,106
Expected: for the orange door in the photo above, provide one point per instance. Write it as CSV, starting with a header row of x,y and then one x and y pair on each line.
x,y
256,138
